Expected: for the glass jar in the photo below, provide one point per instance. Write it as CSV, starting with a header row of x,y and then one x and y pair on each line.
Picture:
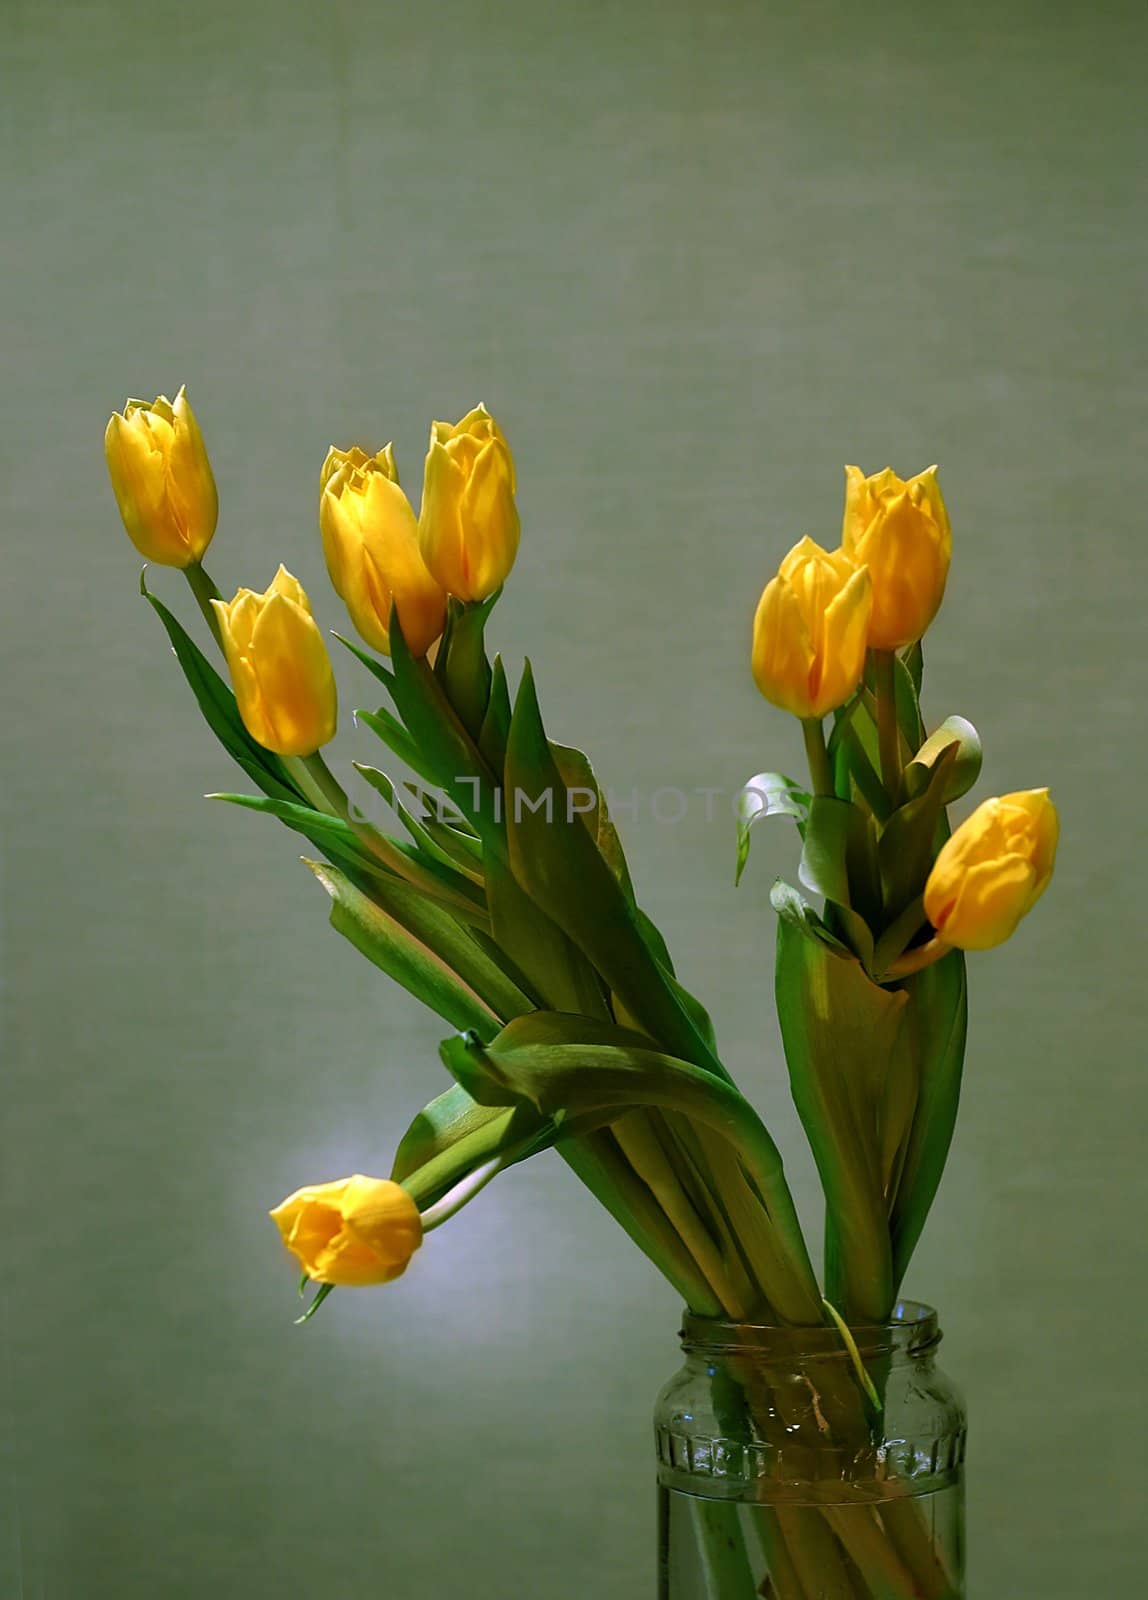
x,y
807,1464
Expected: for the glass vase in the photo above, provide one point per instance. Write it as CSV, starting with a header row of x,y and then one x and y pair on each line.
x,y
802,1464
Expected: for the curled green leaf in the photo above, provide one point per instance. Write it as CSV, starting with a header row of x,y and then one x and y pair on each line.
x,y
767,794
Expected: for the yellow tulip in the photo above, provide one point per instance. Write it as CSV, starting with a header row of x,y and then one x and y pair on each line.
x,y
900,529
162,479
371,542
810,629
279,666
993,870
353,1232
468,524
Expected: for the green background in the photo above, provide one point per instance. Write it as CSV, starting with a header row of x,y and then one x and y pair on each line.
x,y
694,258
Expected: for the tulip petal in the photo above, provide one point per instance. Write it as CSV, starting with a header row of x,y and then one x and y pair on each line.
x,y
845,631
783,656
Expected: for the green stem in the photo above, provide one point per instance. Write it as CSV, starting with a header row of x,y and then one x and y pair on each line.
x,y
819,769
302,770
896,937
205,592
464,1191
888,734
328,786
916,960
721,1546
598,1160
641,1148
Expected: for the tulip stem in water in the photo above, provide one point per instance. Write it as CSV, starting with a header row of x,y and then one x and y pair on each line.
x,y
205,592
888,735
819,769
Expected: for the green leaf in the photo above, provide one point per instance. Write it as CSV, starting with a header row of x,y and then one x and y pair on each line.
x,y
460,860
558,973
578,775
375,668
561,868
581,1066
454,1135
598,1161
391,731
966,764
908,706
451,1116
824,866
938,1023
496,722
853,767
769,794
913,660
461,665
655,943
843,717
787,902
840,1031
895,939
907,845
330,834
697,1014
217,703
323,1291
392,947
839,858
451,759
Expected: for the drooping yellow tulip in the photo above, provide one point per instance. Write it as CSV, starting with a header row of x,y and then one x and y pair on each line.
x,y
371,542
993,870
468,522
810,629
162,479
279,666
900,529
352,1232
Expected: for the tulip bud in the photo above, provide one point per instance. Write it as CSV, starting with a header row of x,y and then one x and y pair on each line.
x,y
809,631
162,479
279,666
371,542
468,524
353,1232
900,530
993,870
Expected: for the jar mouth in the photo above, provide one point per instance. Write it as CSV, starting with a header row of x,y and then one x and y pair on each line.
x,y
912,1329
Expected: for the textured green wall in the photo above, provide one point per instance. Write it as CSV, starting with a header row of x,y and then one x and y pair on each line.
x,y
695,258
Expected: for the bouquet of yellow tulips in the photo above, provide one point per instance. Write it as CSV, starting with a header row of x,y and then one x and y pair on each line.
x,y
508,909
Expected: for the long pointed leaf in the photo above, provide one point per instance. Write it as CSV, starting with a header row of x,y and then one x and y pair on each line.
x,y
450,755
907,846
966,766
332,835
375,668
939,1020
396,738
402,956
768,794
561,868
454,1136
840,1031
460,860
217,703
557,970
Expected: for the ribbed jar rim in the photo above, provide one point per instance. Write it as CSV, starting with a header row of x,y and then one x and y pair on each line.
x,y
912,1330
